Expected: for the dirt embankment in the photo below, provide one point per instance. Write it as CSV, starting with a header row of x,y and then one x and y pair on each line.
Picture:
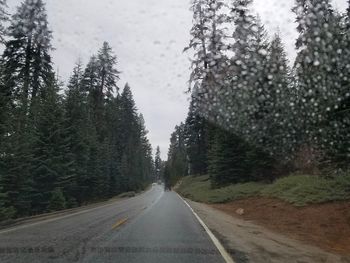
x,y
326,226
249,241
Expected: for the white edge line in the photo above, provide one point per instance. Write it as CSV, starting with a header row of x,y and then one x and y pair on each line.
x,y
216,242
60,217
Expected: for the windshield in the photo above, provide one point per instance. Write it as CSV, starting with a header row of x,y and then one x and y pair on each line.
x,y
174,131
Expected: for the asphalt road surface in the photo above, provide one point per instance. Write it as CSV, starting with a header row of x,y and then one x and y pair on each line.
x,y
155,226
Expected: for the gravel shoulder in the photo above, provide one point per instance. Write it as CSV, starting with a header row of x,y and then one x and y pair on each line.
x,y
248,242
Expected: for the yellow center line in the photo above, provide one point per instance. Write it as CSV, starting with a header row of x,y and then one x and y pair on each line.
x,y
119,223
123,221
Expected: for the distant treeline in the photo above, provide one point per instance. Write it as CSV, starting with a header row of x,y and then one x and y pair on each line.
x,y
255,117
61,147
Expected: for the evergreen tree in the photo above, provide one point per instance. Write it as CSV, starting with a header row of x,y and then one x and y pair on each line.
x,y
27,63
256,93
108,74
57,201
217,60
199,41
3,19
26,70
60,151
16,179
227,159
157,163
280,118
243,21
209,66
129,137
177,165
6,212
316,69
99,81
230,98
52,159
338,130
76,121
146,157
113,147
196,139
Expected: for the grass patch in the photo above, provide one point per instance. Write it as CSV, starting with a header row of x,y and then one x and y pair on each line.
x,y
299,190
199,189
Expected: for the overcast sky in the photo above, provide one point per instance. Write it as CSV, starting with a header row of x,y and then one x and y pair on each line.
x,y
148,37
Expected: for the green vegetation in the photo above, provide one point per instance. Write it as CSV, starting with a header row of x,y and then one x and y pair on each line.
x,y
58,201
62,146
199,189
256,116
298,190
301,190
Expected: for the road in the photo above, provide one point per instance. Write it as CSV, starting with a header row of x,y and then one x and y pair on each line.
x,y
155,226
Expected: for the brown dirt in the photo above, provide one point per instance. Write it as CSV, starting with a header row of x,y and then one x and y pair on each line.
x,y
326,225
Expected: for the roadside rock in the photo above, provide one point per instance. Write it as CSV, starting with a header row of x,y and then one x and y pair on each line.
x,y
240,211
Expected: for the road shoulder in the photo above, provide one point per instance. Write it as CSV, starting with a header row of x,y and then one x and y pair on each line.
x,y
8,225
248,242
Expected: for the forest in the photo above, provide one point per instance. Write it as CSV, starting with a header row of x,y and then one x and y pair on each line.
x,y
254,114
62,146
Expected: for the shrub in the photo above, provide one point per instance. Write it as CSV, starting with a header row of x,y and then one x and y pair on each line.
x,y
57,201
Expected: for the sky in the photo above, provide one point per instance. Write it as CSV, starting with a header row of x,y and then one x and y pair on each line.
x,y
148,37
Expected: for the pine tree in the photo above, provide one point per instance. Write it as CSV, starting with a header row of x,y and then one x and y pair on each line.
x,y
51,156
316,69
336,132
243,21
280,117
145,153
89,86
129,137
233,160
59,151
114,155
16,180
233,99
100,82
108,74
27,63
3,19
6,212
26,69
157,163
196,139
6,103
76,121
218,61
209,66
5,93
199,41
176,165
256,92
57,200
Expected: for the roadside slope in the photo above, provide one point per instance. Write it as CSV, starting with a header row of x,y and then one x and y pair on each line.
x,y
248,242
324,225
312,210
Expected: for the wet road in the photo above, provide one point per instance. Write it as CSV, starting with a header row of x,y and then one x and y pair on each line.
x,y
155,226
